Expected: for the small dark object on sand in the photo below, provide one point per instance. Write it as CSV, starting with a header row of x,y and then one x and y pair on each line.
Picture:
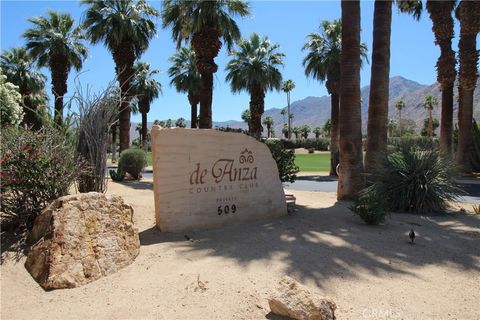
x,y
412,235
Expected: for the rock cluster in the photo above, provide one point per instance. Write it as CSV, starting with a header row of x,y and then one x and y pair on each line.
x,y
80,238
294,301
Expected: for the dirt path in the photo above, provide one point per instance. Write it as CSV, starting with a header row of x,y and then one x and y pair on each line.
x,y
370,272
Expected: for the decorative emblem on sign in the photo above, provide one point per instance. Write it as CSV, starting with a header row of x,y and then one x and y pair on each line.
x,y
246,156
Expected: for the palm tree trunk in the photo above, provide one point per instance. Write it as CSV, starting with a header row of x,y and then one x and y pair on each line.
x,y
441,16
59,68
430,123
114,142
400,121
206,45
379,84
124,59
351,180
468,13
257,96
289,118
144,132
446,125
334,133
193,112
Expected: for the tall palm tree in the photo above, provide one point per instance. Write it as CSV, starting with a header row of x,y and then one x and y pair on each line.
x,y
125,28
146,89
468,13
377,129
441,16
350,143
287,87
323,63
268,121
55,43
204,23
254,68
19,68
430,103
186,78
400,105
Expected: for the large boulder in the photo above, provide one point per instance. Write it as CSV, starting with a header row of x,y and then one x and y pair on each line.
x,y
80,238
292,300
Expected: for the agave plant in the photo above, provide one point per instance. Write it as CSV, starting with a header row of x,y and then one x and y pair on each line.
x,y
416,180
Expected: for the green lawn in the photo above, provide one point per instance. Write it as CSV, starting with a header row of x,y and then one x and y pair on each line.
x,y
313,162
306,162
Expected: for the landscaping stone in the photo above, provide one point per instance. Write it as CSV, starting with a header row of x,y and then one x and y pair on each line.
x,y
295,301
80,238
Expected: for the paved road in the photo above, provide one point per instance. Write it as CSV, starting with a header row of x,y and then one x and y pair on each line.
x,y
329,184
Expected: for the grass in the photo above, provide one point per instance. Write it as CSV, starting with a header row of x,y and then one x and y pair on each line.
x,y
313,161
306,162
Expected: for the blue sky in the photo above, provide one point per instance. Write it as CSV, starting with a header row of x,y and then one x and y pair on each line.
x,y
413,53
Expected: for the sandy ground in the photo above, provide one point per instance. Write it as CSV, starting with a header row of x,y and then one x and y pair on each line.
x,y
370,272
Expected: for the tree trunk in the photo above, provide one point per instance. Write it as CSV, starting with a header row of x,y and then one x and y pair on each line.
x,y
441,16
334,133
59,69
144,132
193,99
379,85
124,58
289,118
206,45
351,179
114,142
400,121
257,96
468,13
430,123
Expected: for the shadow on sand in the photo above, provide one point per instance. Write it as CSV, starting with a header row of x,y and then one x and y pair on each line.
x,y
317,244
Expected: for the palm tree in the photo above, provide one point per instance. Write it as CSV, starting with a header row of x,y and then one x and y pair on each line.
x,y
125,28
287,87
297,131
55,43
323,63
441,16
391,127
429,103
186,78
19,68
146,89
350,181
168,123
254,69
268,121
204,23
246,116
317,131
468,12
285,131
377,130
180,123
283,112
305,131
138,128
400,105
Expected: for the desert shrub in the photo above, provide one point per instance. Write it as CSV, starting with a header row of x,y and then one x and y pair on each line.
x,y
371,207
37,168
285,159
419,142
97,114
320,144
412,179
132,161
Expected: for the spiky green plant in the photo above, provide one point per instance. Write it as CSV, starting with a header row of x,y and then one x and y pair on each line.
x,y
415,180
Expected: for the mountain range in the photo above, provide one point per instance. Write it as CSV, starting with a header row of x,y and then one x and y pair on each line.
x,y
314,111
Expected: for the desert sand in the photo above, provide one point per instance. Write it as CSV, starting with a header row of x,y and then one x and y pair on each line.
x,y
371,272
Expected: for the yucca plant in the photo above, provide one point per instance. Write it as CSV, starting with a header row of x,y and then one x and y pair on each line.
x,y
416,180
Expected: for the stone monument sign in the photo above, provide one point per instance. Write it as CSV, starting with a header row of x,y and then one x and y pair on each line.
x,y
208,178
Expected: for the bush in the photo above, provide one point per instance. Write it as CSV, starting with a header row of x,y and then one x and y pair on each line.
x,y
132,161
421,143
285,159
37,168
415,180
370,207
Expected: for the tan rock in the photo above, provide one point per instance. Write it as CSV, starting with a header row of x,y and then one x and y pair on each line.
x,y
294,301
80,238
